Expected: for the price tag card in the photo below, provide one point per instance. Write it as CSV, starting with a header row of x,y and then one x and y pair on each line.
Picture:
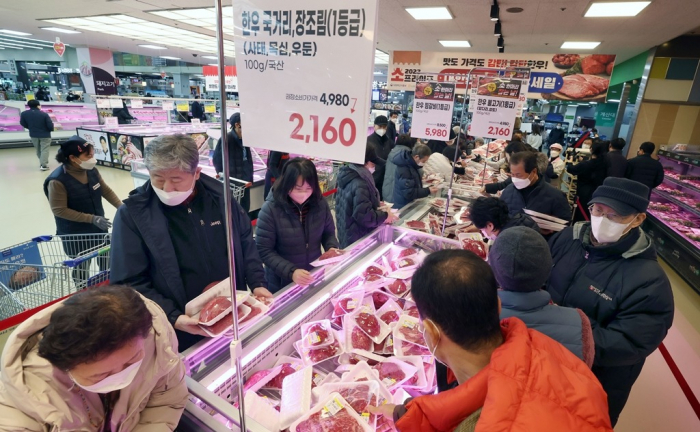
x,y
183,106
495,107
111,121
167,106
432,110
103,103
116,103
210,108
313,80
196,121
136,103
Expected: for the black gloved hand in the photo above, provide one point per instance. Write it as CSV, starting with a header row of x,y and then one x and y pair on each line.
x,y
101,222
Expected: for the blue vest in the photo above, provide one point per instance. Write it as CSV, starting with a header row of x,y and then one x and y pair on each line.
x,y
562,324
84,198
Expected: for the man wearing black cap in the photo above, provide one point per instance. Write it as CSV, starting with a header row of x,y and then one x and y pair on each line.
x,y
240,158
40,127
382,146
608,269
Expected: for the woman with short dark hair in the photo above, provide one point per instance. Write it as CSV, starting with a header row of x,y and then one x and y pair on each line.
x,y
294,223
104,359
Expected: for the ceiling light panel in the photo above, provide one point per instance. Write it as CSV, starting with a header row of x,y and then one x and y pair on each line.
x,y
616,9
13,32
455,44
430,13
579,45
59,30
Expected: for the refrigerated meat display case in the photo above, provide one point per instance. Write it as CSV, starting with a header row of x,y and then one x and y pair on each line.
x,y
211,379
66,117
674,213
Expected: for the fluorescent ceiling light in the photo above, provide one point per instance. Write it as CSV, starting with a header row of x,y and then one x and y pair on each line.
x,y
152,47
613,100
16,33
210,57
213,64
15,45
616,9
21,43
59,30
455,44
579,45
430,13
170,58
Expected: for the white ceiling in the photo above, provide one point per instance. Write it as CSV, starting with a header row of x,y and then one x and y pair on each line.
x,y
540,28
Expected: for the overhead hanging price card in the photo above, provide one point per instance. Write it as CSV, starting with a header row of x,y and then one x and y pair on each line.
x,y
496,107
306,67
432,110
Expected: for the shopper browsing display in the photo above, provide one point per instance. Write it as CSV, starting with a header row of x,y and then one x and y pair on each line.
x,y
615,161
589,176
409,186
40,127
608,269
240,158
294,215
75,190
644,168
490,216
498,364
557,163
503,164
404,143
382,146
104,359
534,138
122,114
437,146
275,163
169,239
357,203
392,129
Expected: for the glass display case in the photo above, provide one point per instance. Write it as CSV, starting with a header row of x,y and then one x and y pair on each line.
x,y
211,377
147,114
674,213
66,117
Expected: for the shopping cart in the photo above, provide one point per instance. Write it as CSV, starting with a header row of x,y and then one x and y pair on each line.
x,y
48,268
238,187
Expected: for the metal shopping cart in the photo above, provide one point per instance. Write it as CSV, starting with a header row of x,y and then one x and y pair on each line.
x,y
48,268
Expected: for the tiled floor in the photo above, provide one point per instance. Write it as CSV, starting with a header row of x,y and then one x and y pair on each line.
x,y
657,403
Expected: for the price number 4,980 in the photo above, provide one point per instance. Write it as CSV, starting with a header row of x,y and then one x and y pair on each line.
x,y
499,131
329,133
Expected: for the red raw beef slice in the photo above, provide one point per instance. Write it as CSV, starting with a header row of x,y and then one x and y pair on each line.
x,y
330,254
345,306
360,340
398,287
379,298
413,349
256,378
320,354
368,323
413,311
341,421
254,311
214,308
391,371
412,335
407,252
276,382
373,278
222,325
416,224
475,246
358,397
316,335
591,65
389,317
373,270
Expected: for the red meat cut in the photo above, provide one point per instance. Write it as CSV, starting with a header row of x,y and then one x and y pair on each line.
x,y
320,354
409,349
389,370
254,311
380,348
398,287
590,65
359,397
476,246
416,224
600,84
373,278
412,335
256,378
222,325
276,382
577,88
316,335
412,311
389,317
373,270
360,340
341,421
368,323
406,262
410,251
379,298
214,308
333,253
267,301
609,68
344,306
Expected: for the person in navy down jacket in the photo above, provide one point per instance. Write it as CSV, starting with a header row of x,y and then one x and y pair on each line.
x,y
521,262
169,238
404,142
293,215
490,216
608,269
357,202
644,168
408,185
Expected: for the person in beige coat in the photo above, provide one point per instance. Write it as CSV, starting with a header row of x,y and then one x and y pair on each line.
x,y
104,359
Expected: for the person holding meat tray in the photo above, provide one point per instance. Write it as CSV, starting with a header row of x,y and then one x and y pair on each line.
x,y
293,215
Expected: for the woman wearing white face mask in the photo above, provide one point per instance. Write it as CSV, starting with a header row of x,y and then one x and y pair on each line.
x,y
105,359
75,191
293,215
608,269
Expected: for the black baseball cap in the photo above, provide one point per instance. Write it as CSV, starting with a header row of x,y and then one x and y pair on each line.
x,y
74,145
381,121
235,118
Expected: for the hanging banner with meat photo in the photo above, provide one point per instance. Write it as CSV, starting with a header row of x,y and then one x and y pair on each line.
x,y
432,110
571,77
495,107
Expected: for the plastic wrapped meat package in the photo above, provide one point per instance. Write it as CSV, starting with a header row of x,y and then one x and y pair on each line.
x,y
390,312
359,395
332,414
394,373
408,329
347,303
418,381
260,410
315,356
365,319
332,256
317,334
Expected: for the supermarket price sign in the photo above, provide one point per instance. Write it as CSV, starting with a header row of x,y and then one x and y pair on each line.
x,y
295,70
496,107
432,110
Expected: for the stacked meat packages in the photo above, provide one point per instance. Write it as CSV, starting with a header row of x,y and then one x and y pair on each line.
x,y
369,352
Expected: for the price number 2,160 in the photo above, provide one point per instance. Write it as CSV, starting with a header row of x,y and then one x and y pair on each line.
x,y
329,133
499,131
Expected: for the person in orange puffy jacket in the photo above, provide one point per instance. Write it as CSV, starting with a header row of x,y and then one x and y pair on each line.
x,y
510,378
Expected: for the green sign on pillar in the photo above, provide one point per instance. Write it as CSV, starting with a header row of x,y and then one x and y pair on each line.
x,y
605,114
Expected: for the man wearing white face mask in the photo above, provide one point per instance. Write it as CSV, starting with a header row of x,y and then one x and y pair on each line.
x,y
608,269
169,241
382,146
103,360
75,191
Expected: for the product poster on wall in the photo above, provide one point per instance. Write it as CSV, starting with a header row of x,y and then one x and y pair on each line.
x,y
99,141
496,107
432,110
318,74
577,77
125,148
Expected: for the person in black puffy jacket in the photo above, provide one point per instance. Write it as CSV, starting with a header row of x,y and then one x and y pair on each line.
x,y
408,185
357,200
293,215
589,176
240,157
490,216
645,169
608,269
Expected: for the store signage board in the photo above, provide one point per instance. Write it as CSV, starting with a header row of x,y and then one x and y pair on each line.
x,y
580,77
496,107
210,108
136,103
605,114
168,106
432,110
196,121
522,74
99,142
313,79
59,47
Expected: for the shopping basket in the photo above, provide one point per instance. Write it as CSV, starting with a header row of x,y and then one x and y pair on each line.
x,y
47,268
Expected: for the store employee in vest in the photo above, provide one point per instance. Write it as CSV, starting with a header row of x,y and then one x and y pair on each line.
x,y
169,239
75,191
